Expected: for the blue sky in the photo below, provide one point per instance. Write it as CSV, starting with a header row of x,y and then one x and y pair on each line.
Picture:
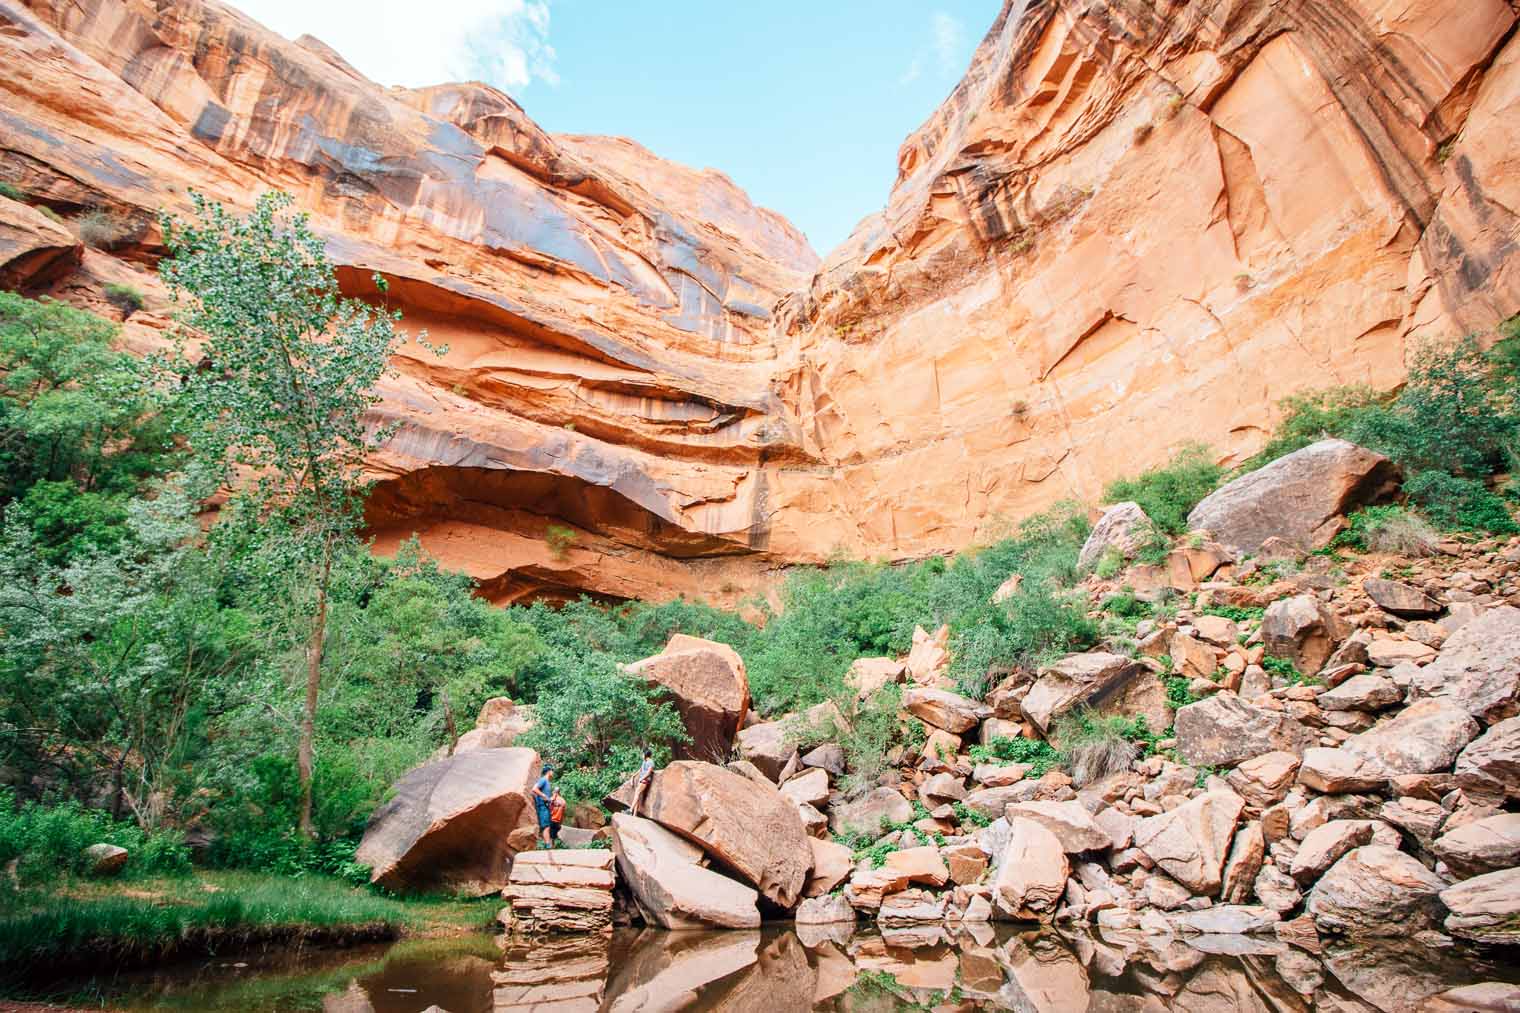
x,y
803,104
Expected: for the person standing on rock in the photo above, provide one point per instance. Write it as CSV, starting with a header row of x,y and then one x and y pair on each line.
x,y
641,780
543,791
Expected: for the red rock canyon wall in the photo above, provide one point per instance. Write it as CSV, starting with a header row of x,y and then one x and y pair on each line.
x,y
1131,225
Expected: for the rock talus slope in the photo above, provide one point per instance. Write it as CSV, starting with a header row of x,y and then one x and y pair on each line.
x,y
1128,226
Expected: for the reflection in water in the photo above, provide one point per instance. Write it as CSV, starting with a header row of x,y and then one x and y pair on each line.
x,y
835,968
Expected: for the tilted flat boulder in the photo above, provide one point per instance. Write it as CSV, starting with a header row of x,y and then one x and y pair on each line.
x,y
670,887
450,823
1301,497
1485,909
943,709
1031,873
1478,668
1493,758
1400,599
1071,823
1224,729
1480,847
1301,630
1075,680
746,827
1190,843
1376,891
708,686
1424,738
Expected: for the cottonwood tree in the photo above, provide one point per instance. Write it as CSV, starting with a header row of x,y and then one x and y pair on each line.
x,y
277,377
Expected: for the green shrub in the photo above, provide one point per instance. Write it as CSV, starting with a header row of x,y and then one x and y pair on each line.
x,y
560,539
1288,671
1168,493
11,191
1236,613
49,841
1311,417
1178,695
1109,564
1388,528
1460,504
124,297
1041,756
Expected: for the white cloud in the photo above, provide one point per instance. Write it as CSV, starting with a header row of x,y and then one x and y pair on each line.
x,y
502,42
944,53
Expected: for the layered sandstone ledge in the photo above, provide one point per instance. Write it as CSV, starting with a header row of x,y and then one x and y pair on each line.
x,y
1123,230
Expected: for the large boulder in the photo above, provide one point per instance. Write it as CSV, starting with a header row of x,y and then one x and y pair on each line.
x,y
1400,599
768,746
1483,846
1485,909
1478,668
1071,823
943,709
1376,891
1423,738
1123,528
1076,680
454,823
865,814
748,828
565,890
671,888
1224,729
105,859
1493,758
500,723
1301,630
1301,497
708,686
1190,843
1031,873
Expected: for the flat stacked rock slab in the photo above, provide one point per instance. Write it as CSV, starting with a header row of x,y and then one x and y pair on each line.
x,y
561,891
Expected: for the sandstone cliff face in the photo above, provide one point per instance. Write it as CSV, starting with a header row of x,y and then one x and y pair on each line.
x,y
1129,226
1134,225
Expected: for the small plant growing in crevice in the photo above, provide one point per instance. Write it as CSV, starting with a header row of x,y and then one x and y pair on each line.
x,y
560,539
11,191
125,298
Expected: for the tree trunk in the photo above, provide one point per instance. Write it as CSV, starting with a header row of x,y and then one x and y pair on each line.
x,y
313,684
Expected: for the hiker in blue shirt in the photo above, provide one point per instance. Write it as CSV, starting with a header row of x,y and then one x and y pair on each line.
x,y
543,791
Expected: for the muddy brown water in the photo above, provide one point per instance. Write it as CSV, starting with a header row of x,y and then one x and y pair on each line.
x,y
838,968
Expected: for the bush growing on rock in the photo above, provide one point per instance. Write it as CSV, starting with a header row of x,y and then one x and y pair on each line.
x,y
1169,492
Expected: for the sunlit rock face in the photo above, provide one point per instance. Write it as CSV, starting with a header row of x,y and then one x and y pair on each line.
x,y
1129,226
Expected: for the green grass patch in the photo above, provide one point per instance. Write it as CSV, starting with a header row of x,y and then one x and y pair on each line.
x,y
1289,672
1002,750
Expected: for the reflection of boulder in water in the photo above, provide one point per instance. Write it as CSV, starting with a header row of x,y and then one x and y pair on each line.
x,y
561,973
782,979
661,970
1219,985
928,968
1044,975
1397,974
834,971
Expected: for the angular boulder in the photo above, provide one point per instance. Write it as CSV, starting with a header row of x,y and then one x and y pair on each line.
x,y
499,724
867,675
1337,771
1031,873
832,863
1400,599
1075,680
1478,668
866,814
1301,497
1241,868
921,865
940,708
1190,843
1071,823
453,823
746,827
709,689
561,891
1366,692
809,788
832,909
1376,891
671,888
767,746
1228,920
1493,758
910,907
1264,780
105,859
1224,729
1323,846
1424,738
929,656
1123,528
1485,909
1301,630
1480,847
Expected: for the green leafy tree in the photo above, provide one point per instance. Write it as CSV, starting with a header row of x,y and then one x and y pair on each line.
x,y
277,396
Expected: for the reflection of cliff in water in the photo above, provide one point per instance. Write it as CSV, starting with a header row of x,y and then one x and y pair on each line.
x,y
836,968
